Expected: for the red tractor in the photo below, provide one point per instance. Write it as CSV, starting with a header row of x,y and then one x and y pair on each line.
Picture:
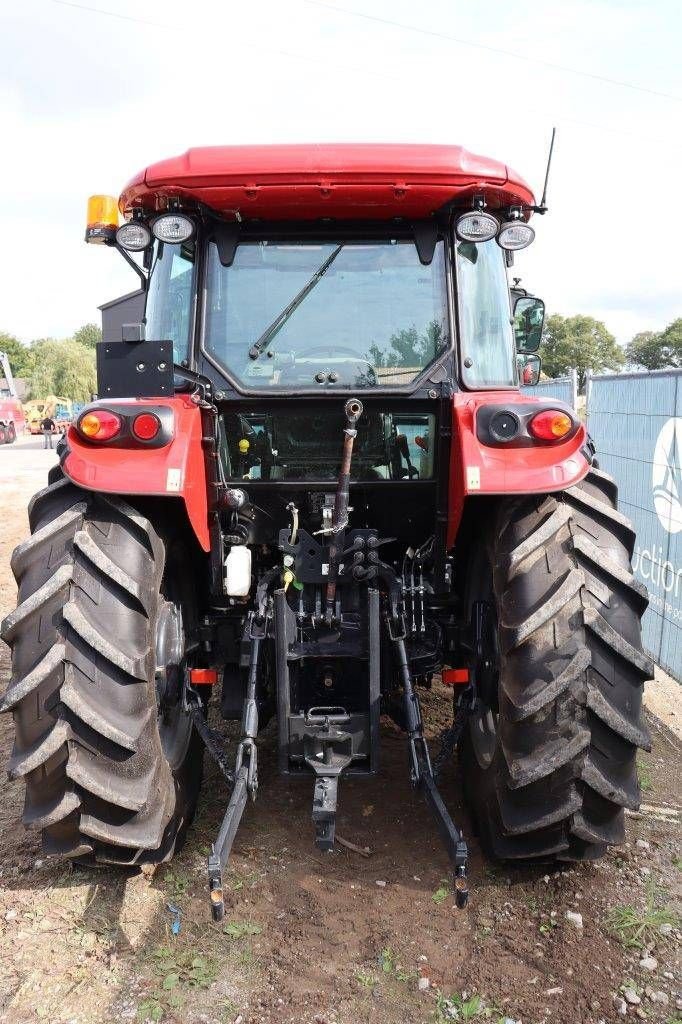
x,y
310,483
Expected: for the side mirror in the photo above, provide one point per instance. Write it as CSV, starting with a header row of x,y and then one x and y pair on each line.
x,y
529,318
529,369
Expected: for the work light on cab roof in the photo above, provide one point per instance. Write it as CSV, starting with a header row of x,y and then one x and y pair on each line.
x,y
173,229
134,236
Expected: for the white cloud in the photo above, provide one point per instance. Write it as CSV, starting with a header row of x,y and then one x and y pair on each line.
x,y
87,99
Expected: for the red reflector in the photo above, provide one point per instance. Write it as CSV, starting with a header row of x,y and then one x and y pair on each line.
x,y
550,425
146,426
99,425
455,676
203,676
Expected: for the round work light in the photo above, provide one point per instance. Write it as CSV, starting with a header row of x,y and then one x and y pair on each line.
x,y
515,234
173,228
476,226
133,236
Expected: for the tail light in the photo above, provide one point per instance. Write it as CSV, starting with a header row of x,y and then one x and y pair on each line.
x,y
146,426
550,425
127,425
101,425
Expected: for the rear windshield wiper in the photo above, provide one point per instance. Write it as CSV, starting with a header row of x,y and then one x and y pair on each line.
x,y
278,323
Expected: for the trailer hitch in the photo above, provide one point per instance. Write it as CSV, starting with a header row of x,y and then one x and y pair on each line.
x,y
327,750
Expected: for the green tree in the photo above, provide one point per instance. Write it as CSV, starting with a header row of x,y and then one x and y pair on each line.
x,y
657,350
581,343
18,354
65,368
38,367
671,344
645,350
88,334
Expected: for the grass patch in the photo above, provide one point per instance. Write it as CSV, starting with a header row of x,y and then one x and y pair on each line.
x,y
387,960
390,966
239,929
442,892
177,973
634,927
366,979
644,776
176,884
464,1007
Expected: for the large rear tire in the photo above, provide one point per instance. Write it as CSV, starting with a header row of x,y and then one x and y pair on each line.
x,y
549,762
111,774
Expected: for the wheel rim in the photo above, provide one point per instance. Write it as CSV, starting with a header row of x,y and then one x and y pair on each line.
x,y
174,724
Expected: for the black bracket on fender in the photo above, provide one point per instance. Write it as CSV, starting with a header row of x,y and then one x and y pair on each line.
x,y
134,369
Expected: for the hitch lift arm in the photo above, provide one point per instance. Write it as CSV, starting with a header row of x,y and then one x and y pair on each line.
x,y
245,777
421,771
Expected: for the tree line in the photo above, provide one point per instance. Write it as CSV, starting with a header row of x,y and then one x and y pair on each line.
x,y
64,367
583,343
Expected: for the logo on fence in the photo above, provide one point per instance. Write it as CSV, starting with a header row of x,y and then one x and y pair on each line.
x,y
667,475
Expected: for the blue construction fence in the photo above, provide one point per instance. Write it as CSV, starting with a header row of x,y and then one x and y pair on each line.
x,y
635,420
563,388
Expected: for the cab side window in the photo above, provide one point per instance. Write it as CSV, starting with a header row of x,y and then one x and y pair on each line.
x,y
487,352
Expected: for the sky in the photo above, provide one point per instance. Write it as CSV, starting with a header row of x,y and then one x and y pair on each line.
x,y
93,91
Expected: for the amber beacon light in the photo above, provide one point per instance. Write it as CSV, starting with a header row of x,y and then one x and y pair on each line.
x,y
102,222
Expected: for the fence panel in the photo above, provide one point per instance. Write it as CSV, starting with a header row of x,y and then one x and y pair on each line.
x,y
636,423
563,388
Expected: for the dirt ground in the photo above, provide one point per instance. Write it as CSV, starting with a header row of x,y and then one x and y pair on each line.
x,y
338,938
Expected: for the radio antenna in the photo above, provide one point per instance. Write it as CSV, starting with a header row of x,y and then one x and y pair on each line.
x,y
542,208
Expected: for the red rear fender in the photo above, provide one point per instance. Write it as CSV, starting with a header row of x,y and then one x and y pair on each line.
x,y
175,470
480,469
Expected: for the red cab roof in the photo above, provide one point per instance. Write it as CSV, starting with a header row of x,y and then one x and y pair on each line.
x,y
365,180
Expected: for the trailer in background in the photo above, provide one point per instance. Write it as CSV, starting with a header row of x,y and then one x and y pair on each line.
x,y
12,419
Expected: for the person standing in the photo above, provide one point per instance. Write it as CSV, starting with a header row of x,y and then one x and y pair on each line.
x,y
47,426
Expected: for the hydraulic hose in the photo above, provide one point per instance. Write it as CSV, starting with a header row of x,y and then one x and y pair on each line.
x,y
353,412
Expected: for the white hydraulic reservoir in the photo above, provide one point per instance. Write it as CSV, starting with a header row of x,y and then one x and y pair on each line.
x,y
238,571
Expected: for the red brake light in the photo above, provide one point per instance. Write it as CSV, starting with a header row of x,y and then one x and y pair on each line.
x,y
146,426
99,425
550,425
